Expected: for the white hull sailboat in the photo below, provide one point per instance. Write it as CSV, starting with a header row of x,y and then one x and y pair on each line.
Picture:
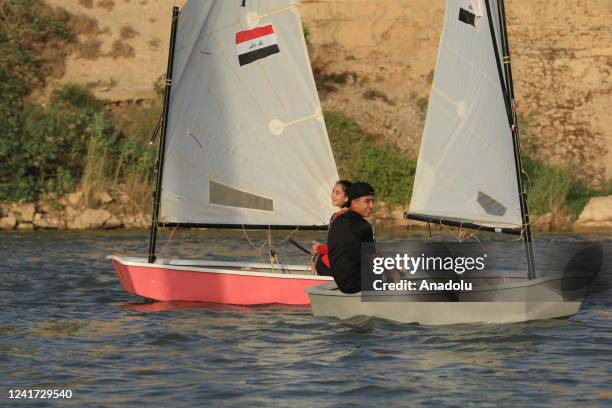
x,y
469,175
243,145
505,300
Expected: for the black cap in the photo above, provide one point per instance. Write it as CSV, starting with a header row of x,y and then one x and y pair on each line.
x,y
358,189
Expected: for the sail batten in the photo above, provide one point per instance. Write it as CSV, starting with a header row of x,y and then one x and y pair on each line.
x,y
466,171
246,140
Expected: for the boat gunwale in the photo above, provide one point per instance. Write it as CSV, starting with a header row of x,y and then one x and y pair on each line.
x,y
141,262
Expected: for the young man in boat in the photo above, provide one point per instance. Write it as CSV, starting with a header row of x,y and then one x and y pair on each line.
x,y
347,233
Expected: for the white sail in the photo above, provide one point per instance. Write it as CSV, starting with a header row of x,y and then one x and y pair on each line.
x,y
466,168
246,141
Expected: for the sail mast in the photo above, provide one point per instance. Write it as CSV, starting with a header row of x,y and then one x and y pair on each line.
x,y
508,92
159,165
527,234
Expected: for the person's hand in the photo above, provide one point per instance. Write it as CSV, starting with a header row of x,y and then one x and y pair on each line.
x,y
315,244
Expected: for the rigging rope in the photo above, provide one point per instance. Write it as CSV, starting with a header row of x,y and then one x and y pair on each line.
x,y
445,227
288,237
461,238
523,229
272,256
528,178
167,241
258,248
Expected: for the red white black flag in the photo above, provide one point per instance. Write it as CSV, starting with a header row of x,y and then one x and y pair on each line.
x,y
255,44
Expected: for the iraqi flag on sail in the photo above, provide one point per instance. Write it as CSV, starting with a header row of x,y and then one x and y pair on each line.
x,y
255,44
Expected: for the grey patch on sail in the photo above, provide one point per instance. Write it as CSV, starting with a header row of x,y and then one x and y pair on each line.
x,y
490,205
223,195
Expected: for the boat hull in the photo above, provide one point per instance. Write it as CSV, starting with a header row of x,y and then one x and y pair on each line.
x,y
531,300
182,281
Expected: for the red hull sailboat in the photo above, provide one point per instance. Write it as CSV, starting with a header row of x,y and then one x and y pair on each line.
x,y
243,144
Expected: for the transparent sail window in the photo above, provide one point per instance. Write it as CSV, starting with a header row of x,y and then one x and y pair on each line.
x,y
223,195
470,12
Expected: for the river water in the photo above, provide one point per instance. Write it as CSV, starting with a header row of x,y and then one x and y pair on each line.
x,y
66,324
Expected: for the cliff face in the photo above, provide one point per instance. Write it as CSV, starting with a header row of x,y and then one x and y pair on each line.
x,y
124,46
563,58
374,61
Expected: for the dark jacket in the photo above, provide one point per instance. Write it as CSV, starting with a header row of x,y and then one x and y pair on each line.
x,y
344,239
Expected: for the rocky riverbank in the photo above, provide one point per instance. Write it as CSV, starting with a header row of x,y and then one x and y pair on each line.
x,y
74,211
109,210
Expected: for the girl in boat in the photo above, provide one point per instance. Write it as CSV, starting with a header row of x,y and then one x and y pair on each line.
x,y
339,198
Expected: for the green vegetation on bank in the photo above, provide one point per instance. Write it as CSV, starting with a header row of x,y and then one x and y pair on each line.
x,y
553,188
28,33
73,141
306,31
360,156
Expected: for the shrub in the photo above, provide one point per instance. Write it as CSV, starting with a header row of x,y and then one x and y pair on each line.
x,y
127,32
89,49
391,172
551,188
76,97
307,35
86,3
33,44
107,5
422,104
360,157
154,43
34,41
82,25
373,94
329,82
73,143
138,120
121,49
